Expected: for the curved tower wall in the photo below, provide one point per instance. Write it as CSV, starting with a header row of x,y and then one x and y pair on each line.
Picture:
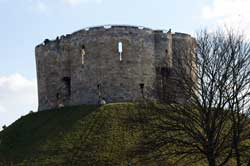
x,y
84,66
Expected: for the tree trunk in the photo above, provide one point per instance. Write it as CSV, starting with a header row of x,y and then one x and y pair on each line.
x,y
210,153
237,153
211,161
211,157
236,143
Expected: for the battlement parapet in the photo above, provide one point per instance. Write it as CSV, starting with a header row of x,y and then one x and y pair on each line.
x,y
109,28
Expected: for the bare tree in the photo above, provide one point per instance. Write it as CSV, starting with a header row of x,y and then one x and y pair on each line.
x,y
239,92
214,84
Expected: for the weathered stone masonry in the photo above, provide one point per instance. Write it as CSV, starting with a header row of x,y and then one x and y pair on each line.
x,y
82,67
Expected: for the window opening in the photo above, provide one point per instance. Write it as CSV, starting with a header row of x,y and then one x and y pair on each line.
x,y
142,89
83,54
99,91
57,96
120,49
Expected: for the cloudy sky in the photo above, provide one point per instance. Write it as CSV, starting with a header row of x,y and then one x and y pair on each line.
x,y
26,23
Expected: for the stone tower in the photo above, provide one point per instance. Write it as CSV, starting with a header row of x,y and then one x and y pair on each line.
x,y
118,63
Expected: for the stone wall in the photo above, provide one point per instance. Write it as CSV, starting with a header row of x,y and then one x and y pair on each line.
x,y
84,66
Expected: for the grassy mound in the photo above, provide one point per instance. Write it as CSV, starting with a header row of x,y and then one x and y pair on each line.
x,y
112,134
81,135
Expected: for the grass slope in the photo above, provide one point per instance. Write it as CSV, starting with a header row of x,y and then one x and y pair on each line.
x,y
81,135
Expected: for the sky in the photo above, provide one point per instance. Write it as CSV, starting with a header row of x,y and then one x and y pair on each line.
x,y
26,23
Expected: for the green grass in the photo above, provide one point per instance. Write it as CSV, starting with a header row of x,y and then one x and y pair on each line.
x,y
87,134
82,135
25,137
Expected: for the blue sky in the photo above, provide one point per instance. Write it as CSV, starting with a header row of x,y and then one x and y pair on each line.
x,y
26,23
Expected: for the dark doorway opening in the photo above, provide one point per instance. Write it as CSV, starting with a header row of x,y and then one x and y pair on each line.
x,y
67,86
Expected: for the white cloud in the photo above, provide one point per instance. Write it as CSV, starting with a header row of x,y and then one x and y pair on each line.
x,y
2,109
78,2
233,13
39,6
15,82
18,95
